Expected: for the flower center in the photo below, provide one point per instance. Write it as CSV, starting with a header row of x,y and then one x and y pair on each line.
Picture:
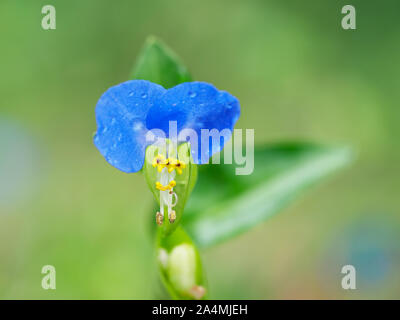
x,y
166,174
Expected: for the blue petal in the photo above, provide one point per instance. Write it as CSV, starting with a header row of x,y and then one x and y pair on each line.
x,y
196,105
120,115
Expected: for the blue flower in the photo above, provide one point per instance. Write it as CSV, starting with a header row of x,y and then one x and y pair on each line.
x,y
126,112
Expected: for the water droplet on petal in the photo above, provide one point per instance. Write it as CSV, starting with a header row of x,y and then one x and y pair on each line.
x,y
144,96
192,94
113,121
131,93
137,125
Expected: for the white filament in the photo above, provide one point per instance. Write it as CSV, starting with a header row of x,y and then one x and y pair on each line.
x,y
165,178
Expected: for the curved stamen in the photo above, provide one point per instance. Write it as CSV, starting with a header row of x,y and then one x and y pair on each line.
x,y
173,194
169,186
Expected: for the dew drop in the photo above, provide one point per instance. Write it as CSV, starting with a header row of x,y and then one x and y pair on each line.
x,y
137,125
192,94
131,94
144,96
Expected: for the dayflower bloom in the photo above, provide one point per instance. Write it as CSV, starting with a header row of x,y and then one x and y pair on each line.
x,y
126,112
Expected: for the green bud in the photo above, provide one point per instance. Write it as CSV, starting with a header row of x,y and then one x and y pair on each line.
x,y
180,266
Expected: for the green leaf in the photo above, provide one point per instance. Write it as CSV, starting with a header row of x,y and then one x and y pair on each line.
x,y
223,205
159,64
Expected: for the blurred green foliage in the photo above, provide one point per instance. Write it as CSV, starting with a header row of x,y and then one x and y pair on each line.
x,y
224,204
159,64
298,75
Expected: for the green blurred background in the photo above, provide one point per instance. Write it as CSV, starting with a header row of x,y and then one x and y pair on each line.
x,y
298,75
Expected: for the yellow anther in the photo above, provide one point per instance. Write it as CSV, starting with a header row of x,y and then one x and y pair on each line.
x,y
158,159
169,186
160,187
173,163
179,166
160,162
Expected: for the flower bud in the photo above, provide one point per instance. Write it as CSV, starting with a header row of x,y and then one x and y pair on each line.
x,y
180,267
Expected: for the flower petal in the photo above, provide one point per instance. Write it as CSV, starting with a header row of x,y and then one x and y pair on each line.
x,y
120,114
196,105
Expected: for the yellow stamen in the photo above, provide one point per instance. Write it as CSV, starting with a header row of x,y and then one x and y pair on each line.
x,y
179,166
173,163
160,162
169,186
